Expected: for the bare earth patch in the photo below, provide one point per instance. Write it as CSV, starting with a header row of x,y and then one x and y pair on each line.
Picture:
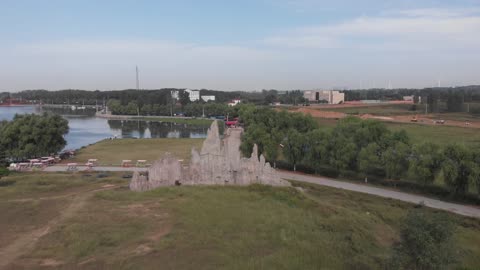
x,y
50,262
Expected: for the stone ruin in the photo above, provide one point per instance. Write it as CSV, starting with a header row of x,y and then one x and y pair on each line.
x,y
218,163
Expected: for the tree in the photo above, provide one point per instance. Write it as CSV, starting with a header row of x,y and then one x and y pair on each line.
x,y
184,97
343,153
30,135
256,134
271,147
370,160
317,152
293,147
396,160
115,107
425,162
455,100
459,168
426,242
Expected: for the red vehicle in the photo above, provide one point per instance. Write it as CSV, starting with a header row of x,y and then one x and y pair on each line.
x,y
232,123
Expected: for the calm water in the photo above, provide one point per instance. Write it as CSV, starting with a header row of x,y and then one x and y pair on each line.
x,y
85,128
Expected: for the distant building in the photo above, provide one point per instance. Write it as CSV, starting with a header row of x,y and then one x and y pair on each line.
x,y
408,98
234,102
194,95
174,94
328,96
208,98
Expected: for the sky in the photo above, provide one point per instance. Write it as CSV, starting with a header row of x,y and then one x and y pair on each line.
x,y
238,45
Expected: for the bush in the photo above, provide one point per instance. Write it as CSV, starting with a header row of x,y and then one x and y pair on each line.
x,y
427,242
4,172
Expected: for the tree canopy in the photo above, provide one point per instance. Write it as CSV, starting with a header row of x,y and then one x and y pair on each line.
x,y
30,135
360,147
427,242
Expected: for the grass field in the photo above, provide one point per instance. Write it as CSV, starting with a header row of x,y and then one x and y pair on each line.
x,y
426,133
254,227
404,109
439,134
110,152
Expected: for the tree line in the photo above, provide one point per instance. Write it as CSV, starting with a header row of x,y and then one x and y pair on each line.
x,y
197,109
439,99
141,97
360,147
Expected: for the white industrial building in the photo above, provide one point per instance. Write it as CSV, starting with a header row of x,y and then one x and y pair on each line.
x,y
174,94
328,96
208,98
194,95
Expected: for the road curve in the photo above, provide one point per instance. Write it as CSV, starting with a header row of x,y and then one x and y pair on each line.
x,y
460,209
465,210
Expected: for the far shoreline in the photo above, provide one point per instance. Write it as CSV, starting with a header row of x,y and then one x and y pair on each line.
x,y
172,119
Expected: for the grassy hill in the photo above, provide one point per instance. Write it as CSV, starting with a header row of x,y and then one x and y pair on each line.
x,y
95,222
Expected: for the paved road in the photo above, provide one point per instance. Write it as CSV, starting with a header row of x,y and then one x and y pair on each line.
x,y
460,209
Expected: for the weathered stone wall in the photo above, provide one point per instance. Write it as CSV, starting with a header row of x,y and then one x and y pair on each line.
x,y
218,163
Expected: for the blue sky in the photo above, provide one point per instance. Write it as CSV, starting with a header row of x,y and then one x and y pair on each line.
x,y
238,45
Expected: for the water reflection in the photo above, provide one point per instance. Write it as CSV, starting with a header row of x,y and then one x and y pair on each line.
x,y
154,129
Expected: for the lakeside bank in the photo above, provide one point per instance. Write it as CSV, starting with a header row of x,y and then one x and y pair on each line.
x,y
168,119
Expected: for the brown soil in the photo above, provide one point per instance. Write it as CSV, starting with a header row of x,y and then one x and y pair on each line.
x,y
321,114
421,120
385,235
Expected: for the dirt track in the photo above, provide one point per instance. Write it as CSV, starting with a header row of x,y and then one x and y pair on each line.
x,y
27,241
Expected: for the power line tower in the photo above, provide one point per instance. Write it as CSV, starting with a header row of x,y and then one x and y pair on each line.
x,y
138,81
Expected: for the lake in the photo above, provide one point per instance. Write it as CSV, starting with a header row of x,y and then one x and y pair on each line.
x,y
86,129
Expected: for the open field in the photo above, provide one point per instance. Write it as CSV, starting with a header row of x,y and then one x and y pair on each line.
x,y
395,113
426,133
203,227
439,134
112,152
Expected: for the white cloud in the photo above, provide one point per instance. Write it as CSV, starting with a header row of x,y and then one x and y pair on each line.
x,y
424,29
436,12
447,42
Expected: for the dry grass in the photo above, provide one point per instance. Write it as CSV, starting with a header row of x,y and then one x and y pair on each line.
x,y
211,227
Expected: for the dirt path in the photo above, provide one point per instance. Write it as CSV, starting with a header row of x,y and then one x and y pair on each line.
x,y
26,242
